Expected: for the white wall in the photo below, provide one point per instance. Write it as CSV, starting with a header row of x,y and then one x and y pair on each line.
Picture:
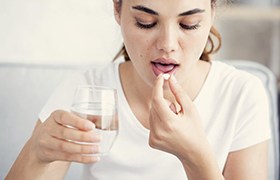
x,y
58,31
251,33
257,2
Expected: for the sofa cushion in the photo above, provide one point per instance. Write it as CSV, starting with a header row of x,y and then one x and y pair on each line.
x,y
24,90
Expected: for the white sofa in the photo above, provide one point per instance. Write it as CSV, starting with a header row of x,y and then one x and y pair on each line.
x,y
23,91
24,88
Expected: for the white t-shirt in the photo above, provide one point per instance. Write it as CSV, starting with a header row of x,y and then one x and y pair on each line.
x,y
232,104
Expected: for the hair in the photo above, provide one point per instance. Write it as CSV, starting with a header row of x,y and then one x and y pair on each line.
x,y
210,48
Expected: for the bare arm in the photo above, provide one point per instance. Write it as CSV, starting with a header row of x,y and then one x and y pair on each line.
x,y
202,166
51,148
246,164
249,163
26,167
181,134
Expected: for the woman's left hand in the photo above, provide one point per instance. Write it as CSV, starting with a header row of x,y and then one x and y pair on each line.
x,y
179,133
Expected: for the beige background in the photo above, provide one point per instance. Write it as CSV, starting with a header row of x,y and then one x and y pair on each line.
x,y
84,32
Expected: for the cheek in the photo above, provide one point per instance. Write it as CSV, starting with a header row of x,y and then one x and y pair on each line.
x,y
196,42
136,43
193,47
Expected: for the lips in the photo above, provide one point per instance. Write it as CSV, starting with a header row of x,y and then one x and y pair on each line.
x,y
164,66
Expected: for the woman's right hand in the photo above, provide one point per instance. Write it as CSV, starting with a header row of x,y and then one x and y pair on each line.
x,y
54,140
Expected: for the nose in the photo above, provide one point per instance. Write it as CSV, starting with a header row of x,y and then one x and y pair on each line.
x,y
167,39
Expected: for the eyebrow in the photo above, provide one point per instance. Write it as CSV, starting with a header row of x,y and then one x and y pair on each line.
x,y
150,11
191,12
145,9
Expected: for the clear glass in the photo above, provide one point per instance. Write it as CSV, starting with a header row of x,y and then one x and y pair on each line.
x,y
100,106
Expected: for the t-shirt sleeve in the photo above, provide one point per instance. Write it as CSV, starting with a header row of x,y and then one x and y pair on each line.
x,y
61,98
253,122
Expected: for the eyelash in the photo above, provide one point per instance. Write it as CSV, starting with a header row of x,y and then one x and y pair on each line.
x,y
183,26
187,27
145,26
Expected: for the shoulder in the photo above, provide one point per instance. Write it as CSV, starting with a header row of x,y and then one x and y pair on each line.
x,y
230,75
245,96
237,86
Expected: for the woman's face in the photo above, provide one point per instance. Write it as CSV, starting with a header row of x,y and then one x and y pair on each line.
x,y
164,36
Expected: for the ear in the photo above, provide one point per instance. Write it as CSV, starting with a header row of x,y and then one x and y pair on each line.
x,y
117,10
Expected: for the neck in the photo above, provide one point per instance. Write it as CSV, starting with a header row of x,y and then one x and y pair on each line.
x,y
138,93
135,89
134,85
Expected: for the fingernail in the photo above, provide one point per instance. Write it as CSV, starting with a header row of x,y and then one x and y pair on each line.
x,y
159,75
90,125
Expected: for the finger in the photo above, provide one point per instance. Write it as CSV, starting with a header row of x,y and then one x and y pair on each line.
x,y
54,150
180,95
158,87
70,119
74,147
63,132
159,104
80,158
157,95
96,120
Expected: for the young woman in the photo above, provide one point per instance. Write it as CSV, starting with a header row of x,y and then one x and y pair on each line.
x,y
207,120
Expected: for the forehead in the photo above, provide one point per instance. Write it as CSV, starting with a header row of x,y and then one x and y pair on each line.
x,y
172,7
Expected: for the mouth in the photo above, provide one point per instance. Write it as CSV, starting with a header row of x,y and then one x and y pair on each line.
x,y
164,66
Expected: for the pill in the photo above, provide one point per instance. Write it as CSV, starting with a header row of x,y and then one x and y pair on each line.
x,y
166,76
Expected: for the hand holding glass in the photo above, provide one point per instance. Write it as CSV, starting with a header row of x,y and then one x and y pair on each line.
x,y
98,105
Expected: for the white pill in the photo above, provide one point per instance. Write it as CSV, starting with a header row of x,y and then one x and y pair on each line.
x,y
166,76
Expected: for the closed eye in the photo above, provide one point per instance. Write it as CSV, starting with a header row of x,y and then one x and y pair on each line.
x,y
151,25
145,26
189,27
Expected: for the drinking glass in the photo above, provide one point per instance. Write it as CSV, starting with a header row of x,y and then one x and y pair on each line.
x,y
100,106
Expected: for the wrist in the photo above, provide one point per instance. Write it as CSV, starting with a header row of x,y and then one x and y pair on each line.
x,y
34,162
202,165
27,165
33,158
